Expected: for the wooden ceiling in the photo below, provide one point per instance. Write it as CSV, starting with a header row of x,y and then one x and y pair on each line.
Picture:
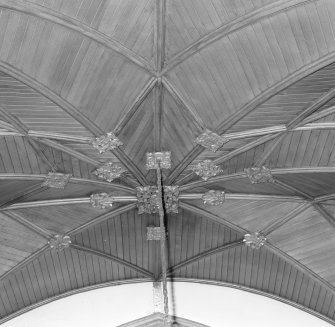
x,y
157,73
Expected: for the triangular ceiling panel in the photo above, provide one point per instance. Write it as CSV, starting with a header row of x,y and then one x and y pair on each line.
x,y
179,129
190,20
251,215
265,271
16,243
140,132
60,219
124,236
136,32
310,239
34,110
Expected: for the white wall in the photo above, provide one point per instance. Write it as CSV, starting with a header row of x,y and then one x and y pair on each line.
x,y
207,304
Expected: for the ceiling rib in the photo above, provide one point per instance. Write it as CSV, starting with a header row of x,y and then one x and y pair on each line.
x,y
231,27
233,153
183,105
297,121
71,152
326,215
204,255
309,126
120,199
324,113
158,115
160,34
247,196
71,110
256,291
113,258
252,105
24,130
274,171
148,87
25,262
299,266
74,180
41,12
283,220
28,224
212,217
105,216
23,195
274,249
52,96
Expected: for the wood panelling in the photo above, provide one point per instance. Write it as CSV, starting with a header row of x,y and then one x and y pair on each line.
x,y
239,185
313,184
136,31
16,243
54,273
10,189
124,236
87,67
158,74
191,234
310,239
230,72
189,20
250,215
263,270
18,156
34,110
138,133
61,219
179,129
287,104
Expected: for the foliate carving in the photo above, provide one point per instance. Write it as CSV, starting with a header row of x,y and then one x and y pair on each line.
x,y
206,169
214,198
171,197
158,160
147,199
109,171
155,233
56,180
211,140
106,142
59,242
259,175
254,240
101,200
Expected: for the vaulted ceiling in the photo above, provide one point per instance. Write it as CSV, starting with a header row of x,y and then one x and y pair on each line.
x,y
157,73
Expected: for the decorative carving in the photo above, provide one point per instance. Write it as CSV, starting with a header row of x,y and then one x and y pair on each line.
x,y
206,169
259,175
254,240
59,242
214,198
158,160
157,296
106,142
56,180
171,197
109,171
147,199
211,140
155,233
101,200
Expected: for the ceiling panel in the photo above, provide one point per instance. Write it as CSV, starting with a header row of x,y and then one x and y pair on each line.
x,y
310,239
